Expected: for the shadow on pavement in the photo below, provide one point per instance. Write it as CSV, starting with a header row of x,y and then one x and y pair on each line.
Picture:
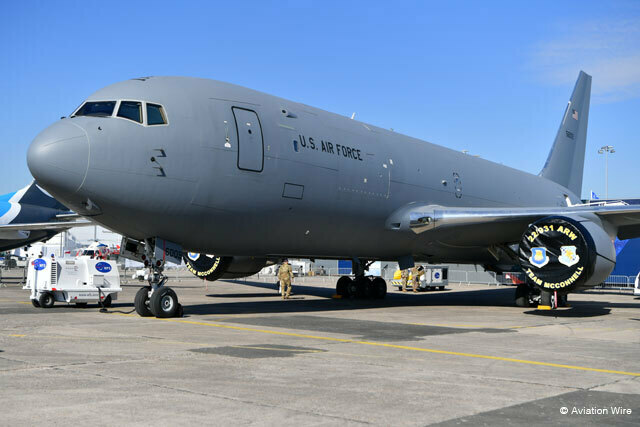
x,y
493,297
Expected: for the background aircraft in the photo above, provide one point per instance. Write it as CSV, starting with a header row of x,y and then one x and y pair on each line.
x,y
31,215
218,168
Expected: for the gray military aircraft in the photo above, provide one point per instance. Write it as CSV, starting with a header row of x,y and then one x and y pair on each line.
x,y
31,215
221,169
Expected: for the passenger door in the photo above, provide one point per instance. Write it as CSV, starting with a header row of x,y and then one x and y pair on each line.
x,y
250,141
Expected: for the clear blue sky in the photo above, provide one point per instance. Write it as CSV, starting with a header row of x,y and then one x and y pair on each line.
x,y
489,77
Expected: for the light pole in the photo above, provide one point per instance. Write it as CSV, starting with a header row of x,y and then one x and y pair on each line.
x,y
606,149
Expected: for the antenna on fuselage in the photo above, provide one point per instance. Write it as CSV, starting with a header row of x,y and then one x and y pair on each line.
x,y
353,116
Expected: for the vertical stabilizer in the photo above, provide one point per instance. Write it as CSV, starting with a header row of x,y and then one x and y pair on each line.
x,y
32,194
565,163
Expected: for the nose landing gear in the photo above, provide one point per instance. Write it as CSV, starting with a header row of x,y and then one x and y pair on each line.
x,y
156,299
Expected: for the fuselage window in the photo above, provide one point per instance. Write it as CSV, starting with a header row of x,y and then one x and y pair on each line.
x,y
131,110
101,109
155,115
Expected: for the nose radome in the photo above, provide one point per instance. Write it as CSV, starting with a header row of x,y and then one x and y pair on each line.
x,y
58,157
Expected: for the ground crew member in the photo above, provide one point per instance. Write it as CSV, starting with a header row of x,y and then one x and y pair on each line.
x,y
416,272
404,276
285,274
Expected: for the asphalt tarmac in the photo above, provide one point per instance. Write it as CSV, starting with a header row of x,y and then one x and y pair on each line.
x,y
241,355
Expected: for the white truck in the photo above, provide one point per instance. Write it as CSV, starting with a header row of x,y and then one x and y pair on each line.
x,y
78,281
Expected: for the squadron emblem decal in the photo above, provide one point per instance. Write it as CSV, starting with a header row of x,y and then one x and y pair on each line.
x,y
203,265
548,254
568,256
539,257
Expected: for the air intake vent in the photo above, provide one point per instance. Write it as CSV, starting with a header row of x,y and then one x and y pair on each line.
x,y
54,273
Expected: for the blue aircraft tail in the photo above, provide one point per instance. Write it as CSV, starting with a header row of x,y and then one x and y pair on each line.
x,y
32,194
565,163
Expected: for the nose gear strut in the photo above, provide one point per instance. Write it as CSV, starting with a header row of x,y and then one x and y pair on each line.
x,y
156,299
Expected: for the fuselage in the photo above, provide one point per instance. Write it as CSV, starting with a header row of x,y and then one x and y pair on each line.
x,y
238,172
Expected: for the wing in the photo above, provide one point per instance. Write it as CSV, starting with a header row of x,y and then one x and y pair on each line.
x,y
486,226
62,225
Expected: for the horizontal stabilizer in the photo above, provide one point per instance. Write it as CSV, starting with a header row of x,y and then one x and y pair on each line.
x,y
34,226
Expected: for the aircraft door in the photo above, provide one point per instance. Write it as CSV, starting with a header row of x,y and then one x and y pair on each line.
x,y
250,141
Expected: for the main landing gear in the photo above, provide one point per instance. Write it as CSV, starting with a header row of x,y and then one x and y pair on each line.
x,y
527,295
156,299
530,296
361,286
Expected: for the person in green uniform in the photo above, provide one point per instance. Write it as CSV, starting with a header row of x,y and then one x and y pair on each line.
x,y
416,272
404,276
285,275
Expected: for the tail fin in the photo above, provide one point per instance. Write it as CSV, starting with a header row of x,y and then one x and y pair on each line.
x,y
565,163
32,194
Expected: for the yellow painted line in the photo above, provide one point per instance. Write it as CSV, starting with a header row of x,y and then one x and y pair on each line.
x,y
395,346
479,326
17,335
457,325
279,349
162,341
15,302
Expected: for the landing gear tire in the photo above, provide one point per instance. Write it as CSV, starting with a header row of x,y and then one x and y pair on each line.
x,y
563,300
522,295
35,303
141,302
164,302
379,288
546,299
352,289
46,300
342,286
365,288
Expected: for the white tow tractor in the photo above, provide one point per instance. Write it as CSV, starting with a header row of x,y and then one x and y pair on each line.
x,y
78,281
434,277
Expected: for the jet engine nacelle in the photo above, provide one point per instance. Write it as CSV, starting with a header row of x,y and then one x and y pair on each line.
x,y
212,267
564,254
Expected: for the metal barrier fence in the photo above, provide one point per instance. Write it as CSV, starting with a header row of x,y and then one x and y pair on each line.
x,y
618,282
512,278
329,277
460,277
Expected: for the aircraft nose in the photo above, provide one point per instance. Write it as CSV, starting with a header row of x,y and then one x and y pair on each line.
x,y
58,157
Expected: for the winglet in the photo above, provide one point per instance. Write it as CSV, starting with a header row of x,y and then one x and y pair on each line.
x,y
565,163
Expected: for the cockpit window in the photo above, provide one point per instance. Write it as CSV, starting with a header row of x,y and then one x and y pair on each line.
x,y
155,115
100,108
131,110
